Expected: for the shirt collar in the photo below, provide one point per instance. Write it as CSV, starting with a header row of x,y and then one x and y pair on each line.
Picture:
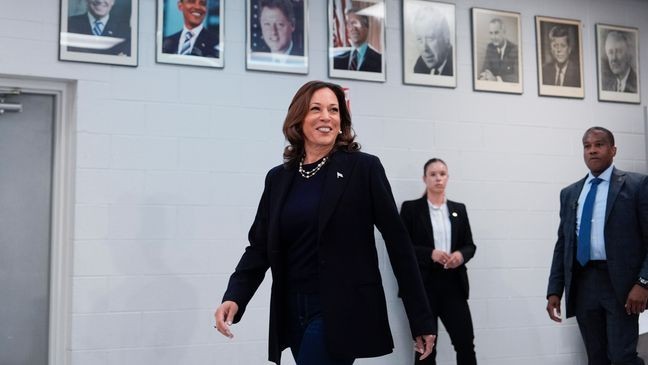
x,y
194,31
605,175
103,20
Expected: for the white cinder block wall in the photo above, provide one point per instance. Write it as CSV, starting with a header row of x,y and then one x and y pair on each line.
x,y
171,160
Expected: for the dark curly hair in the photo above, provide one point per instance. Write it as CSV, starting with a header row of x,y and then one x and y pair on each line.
x,y
297,111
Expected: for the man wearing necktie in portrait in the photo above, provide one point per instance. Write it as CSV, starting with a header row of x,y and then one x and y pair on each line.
x,y
600,258
100,21
361,56
561,69
501,60
618,75
194,39
432,34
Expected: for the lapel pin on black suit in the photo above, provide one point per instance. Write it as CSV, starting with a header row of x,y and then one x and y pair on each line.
x,y
339,175
454,214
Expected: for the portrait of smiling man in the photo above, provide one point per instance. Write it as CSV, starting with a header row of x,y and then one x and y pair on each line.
x,y
100,21
194,39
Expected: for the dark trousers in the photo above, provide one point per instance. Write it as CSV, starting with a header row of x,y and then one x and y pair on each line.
x,y
448,302
306,332
609,333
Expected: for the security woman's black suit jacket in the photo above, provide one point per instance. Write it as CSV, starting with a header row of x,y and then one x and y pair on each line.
x,y
416,216
356,196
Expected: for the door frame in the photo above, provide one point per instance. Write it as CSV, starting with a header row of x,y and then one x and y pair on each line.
x,y
62,205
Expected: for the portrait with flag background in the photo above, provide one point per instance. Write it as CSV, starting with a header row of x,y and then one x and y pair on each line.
x,y
357,39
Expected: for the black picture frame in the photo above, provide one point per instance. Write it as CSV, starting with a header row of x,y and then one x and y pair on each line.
x,y
626,88
559,48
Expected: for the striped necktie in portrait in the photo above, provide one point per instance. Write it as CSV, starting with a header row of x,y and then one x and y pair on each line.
x,y
97,29
353,62
186,45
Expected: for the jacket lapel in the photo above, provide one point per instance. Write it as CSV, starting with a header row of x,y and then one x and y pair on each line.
x,y
617,179
454,227
337,177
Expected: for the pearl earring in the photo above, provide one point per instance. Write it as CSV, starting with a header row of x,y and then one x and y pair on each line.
x,y
340,131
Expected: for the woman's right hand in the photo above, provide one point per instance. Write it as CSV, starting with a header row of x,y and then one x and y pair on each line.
x,y
225,317
440,257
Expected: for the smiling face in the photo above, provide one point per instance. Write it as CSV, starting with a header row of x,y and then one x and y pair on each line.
x,y
100,8
616,50
193,11
322,122
436,178
598,151
277,29
356,29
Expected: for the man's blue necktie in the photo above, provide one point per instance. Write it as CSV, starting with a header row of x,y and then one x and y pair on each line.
x,y
186,46
98,28
585,229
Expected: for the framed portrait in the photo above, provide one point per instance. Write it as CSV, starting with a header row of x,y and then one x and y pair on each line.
x,y
190,32
357,39
99,31
277,36
429,38
559,47
497,55
617,50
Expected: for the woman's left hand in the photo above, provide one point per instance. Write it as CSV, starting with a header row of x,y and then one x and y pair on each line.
x,y
456,259
424,348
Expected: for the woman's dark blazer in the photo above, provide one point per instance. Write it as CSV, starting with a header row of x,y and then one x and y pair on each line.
x,y
416,216
356,196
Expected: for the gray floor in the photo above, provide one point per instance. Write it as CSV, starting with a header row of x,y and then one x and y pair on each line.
x,y
642,347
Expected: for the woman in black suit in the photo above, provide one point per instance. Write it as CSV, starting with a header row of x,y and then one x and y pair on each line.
x,y
314,228
440,231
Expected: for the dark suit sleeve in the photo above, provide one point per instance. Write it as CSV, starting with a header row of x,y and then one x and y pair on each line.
x,y
557,273
423,252
643,220
466,244
401,255
251,269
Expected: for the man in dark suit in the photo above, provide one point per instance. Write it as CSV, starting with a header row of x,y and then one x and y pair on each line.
x,y
562,69
599,260
433,43
501,60
194,39
618,74
99,22
362,57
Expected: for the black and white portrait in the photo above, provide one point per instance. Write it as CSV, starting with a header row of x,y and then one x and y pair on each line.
x,y
618,61
429,43
560,65
497,56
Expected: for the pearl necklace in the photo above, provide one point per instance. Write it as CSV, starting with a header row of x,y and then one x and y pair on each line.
x,y
308,174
